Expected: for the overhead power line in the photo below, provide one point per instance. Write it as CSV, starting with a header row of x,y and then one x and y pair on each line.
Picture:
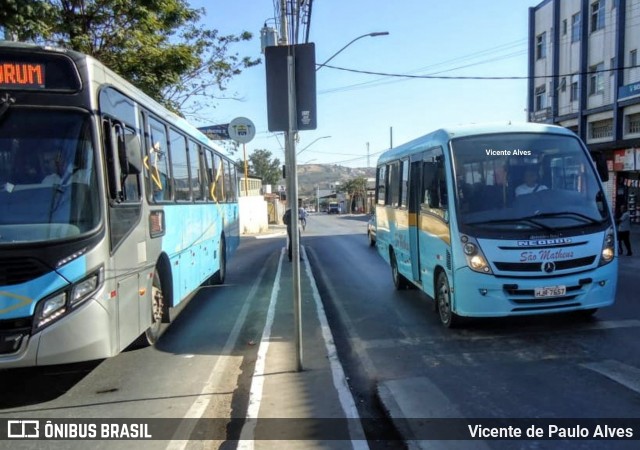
x,y
475,77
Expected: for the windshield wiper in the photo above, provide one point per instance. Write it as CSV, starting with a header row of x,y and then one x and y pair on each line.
x,y
5,101
572,215
528,220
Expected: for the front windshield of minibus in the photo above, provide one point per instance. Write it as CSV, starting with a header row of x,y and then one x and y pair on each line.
x,y
523,183
48,183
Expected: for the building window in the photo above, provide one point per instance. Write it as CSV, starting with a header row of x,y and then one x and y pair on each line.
x,y
541,46
564,27
563,84
612,67
596,79
633,58
541,98
601,129
575,27
633,124
597,15
573,95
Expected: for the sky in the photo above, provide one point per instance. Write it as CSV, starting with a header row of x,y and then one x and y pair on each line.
x,y
360,111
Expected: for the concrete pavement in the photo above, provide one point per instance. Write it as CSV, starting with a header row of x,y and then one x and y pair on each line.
x,y
290,409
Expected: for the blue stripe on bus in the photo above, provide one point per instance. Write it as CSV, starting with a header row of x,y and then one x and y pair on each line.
x,y
20,300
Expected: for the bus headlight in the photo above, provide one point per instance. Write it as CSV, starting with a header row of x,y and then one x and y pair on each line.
x,y
475,258
59,304
608,248
51,309
84,288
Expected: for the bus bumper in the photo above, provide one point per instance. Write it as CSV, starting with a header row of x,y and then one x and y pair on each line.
x,y
80,336
481,295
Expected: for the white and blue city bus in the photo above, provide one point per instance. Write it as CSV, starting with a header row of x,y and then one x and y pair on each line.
x,y
112,209
497,221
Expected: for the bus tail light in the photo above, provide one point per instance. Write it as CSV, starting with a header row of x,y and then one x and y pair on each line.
x,y
608,248
475,258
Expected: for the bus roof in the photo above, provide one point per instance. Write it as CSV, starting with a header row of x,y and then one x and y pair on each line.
x,y
124,85
443,135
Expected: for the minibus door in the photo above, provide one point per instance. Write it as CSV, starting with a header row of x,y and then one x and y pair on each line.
x,y
415,188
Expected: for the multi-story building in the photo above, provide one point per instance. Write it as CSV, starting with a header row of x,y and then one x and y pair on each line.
x,y
584,74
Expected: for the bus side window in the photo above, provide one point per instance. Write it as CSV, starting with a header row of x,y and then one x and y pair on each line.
x,y
158,162
434,197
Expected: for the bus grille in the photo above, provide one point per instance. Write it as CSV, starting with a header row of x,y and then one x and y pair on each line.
x,y
19,270
537,266
12,333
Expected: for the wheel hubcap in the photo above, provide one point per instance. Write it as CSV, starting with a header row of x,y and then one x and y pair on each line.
x,y
443,302
158,304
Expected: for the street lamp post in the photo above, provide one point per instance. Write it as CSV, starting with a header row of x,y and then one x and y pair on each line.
x,y
374,34
313,142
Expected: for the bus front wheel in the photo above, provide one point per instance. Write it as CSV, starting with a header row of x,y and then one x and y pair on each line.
x,y
399,281
443,301
159,310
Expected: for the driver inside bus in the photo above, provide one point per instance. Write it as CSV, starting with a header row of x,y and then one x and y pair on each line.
x,y
53,165
530,184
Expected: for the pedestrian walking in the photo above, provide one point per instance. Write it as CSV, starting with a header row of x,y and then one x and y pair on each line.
x,y
624,230
289,221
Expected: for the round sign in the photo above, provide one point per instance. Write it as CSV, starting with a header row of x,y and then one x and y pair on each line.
x,y
241,130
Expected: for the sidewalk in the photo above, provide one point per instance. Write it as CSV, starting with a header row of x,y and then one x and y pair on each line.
x,y
310,409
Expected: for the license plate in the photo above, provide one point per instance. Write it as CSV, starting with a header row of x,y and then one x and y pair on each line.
x,y
550,291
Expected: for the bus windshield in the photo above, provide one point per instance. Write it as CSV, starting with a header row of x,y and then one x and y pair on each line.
x,y
524,183
48,184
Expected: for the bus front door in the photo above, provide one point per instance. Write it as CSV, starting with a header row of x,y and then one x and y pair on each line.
x,y
415,187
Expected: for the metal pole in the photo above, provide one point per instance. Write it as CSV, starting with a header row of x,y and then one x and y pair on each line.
x,y
390,137
246,171
292,199
318,198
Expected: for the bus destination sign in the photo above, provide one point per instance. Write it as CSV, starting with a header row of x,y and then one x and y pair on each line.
x,y
22,75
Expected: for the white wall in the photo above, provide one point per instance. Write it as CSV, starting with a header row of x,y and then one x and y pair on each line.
x,y
253,215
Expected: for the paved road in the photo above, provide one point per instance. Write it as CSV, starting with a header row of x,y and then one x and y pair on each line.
x,y
394,350
546,367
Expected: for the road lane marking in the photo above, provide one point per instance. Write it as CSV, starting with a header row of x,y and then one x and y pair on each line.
x,y
200,404
339,379
271,235
379,344
355,341
624,374
247,434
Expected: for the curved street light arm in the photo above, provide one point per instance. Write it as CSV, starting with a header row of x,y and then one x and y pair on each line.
x,y
374,34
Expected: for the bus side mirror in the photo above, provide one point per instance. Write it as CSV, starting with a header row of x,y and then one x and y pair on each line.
x,y
601,165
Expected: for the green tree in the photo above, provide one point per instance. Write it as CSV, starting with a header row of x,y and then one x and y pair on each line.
x,y
158,45
355,188
263,165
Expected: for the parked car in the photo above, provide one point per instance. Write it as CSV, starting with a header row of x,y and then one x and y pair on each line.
x,y
371,230
334,208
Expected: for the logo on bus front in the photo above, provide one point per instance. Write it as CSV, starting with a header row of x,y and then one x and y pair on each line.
x,y
535,243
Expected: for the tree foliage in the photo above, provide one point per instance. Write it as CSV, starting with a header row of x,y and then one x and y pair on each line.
x,y
158,45
354,188
263,166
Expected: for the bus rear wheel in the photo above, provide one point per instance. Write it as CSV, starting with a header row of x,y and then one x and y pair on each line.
x,y
443,300
159,310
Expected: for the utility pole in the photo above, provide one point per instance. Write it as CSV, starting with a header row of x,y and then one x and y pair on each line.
x,y
368,162
390,137
292,184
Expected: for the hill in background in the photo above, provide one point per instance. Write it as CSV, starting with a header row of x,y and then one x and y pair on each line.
x,y
311,176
